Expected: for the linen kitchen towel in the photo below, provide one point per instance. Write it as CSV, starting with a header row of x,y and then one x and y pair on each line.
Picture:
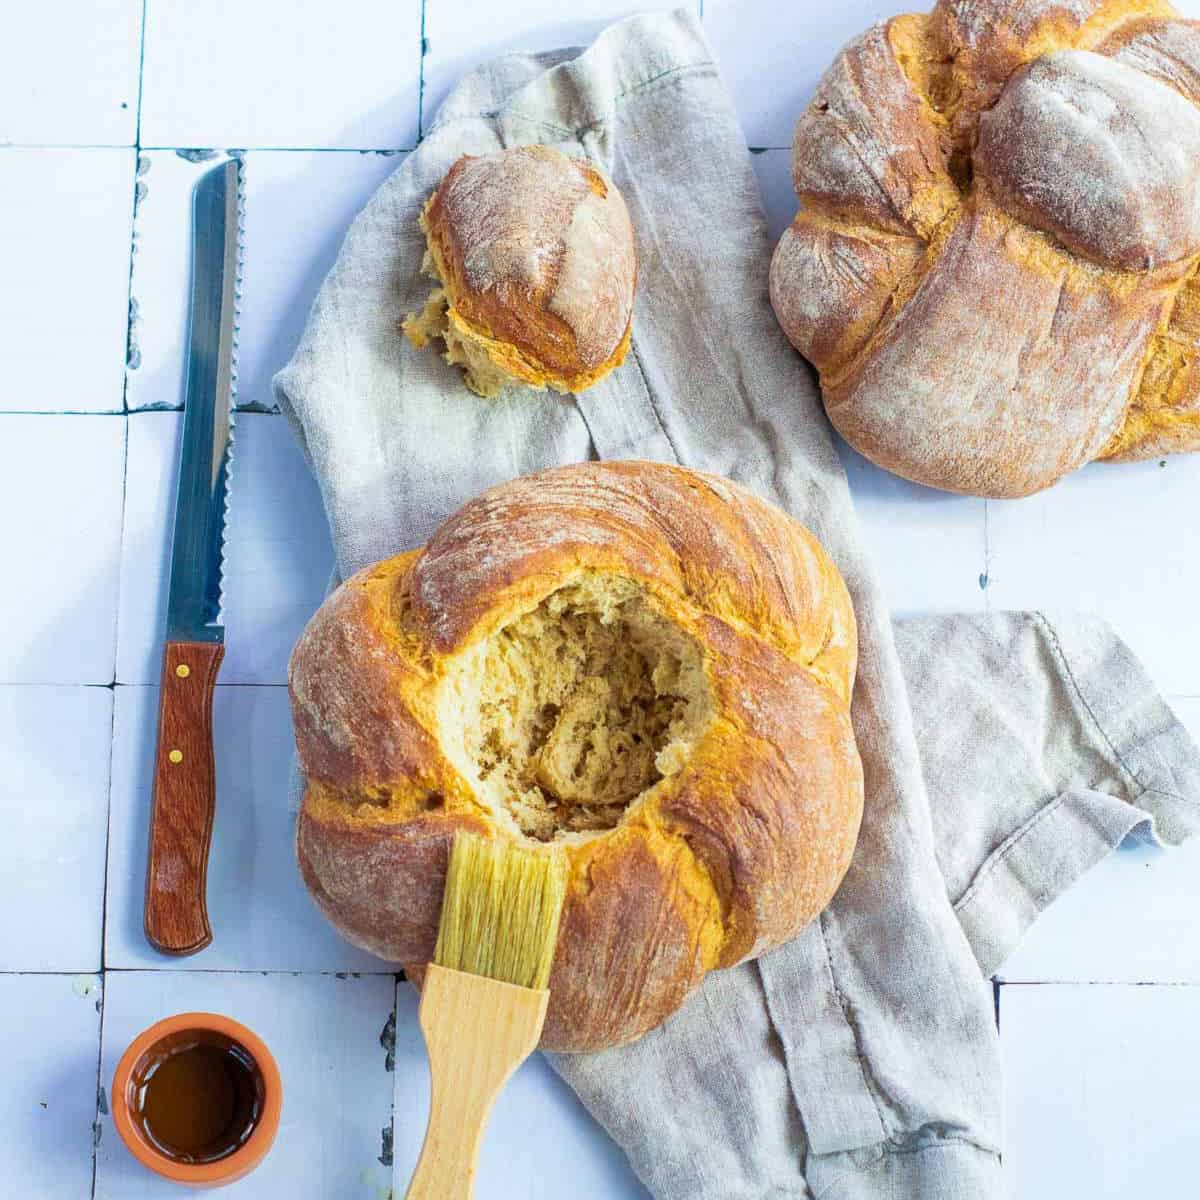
x,y
861,1060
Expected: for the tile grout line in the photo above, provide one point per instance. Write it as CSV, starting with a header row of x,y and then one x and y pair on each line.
x,y
1099,983
129,328
393,971
390,1057
385,151
421,76
137,136
985,580
97,1128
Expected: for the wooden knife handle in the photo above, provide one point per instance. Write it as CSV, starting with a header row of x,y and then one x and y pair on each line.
x,y
176,914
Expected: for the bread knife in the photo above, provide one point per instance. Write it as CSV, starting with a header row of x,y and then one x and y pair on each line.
x,y
184,802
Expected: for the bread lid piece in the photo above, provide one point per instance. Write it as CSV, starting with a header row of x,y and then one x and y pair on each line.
x,y
535,258
1098,154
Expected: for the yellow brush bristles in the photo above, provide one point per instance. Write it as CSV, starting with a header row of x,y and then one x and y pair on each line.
x,y
500,910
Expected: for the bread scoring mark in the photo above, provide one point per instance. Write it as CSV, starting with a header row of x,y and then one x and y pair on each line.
x,y
985,423
620,517
1165,48
535,254
869,144
507,212
592,277
1077,145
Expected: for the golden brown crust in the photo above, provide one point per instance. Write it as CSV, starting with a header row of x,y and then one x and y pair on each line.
x,y
535,253
732,854
995,267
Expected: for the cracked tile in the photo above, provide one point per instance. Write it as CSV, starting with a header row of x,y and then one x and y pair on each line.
x,y
159,286
298,208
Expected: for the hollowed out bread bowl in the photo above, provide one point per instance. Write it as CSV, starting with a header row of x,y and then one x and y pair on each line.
x,y
645,666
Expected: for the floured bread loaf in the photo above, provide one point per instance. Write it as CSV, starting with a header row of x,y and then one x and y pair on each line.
x,y
536,268
643,665
994,265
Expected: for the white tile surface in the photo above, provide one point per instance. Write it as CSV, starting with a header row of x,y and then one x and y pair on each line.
x,y
61,480
324,1034
462,35
69,72
49,1031
1130,919
1101,1079
55,741
927,546
298,207
1101,1098
774,171
772,56
229,74
540,1142
278,558
261,916
1111,540
64,286
159,286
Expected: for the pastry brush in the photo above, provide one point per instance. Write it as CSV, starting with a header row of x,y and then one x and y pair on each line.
x,y
484,999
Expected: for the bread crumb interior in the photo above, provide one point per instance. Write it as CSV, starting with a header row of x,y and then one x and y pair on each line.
x,y
482,376
567,715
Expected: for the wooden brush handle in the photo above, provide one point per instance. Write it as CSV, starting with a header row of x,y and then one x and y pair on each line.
x,y
185,792
477,1031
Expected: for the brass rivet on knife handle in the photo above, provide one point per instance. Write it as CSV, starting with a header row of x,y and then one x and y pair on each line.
x,y
176,914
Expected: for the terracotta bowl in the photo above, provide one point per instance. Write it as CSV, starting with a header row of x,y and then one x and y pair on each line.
x,y
246,1157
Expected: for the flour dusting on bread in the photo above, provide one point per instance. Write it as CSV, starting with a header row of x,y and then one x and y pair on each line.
x,y
1041,309
1100,155
534,259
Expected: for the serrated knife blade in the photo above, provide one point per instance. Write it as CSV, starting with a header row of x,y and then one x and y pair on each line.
x,y
184,802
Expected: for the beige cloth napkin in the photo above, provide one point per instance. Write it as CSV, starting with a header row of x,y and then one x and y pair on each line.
x,y
860,1060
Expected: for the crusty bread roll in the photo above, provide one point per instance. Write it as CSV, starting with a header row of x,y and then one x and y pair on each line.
x,y
645,665
536,268
994,265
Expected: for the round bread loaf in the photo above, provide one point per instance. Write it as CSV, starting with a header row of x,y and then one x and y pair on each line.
x,y
644,665
536,268
994,268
